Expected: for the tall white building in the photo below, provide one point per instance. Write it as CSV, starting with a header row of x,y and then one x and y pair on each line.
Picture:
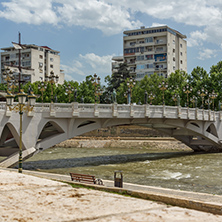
x,y
36,62
160,50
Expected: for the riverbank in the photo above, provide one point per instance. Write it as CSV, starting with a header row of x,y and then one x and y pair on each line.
x,y
29,198
166,143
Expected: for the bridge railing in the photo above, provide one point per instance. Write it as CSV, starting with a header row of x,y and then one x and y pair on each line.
x,y
122,111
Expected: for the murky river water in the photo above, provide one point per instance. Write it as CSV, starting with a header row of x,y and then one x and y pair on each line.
x,y
176,170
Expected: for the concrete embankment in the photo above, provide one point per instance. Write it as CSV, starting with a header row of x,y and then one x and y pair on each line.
x,y
39,199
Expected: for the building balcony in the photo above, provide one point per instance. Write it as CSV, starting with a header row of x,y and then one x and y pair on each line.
x,y
129,54
160,42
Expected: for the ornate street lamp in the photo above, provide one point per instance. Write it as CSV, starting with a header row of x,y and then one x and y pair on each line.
x,y
52,79
20,107
96,83
145,97
151,97
163,86
202,94
42,87
208,102
69,91
194,101
187,90
130,84
175,98
213,96
8,77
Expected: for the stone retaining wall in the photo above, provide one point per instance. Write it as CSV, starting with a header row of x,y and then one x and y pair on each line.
x,y
170,144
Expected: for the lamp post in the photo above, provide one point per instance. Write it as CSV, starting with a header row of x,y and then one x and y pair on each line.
x,y
213,96
187,90
208,102
75,94
95,80
7,76
145,97
163,86
194,101
69,91
20,107
42,87
130,84
52,79
202,93
175,97
151,97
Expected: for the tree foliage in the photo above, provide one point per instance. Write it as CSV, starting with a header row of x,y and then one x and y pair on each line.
x,y
181,87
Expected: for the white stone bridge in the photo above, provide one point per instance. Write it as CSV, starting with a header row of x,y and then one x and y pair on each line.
x,y
50,124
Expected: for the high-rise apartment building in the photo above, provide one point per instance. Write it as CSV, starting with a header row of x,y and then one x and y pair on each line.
x,y
160,50
36,62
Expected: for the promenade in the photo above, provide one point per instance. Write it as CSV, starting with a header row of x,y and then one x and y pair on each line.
x,y
34,198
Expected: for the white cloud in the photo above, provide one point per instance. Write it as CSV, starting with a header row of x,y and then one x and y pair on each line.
x,y
157,24
98,63
114,16
196,38
92,64
207,54
29,11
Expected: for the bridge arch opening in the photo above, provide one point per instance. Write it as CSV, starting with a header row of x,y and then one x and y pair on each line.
x,y
85,123
8,144
50,129
212,130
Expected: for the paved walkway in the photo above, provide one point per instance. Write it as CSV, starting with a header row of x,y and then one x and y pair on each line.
x,y
198,201
27,198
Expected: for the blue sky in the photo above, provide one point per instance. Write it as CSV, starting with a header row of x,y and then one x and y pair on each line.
x,y
88,33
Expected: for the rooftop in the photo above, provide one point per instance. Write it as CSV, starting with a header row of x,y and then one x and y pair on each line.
x,y
150,30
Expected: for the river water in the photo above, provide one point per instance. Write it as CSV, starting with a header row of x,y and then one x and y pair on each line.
x,y
162,168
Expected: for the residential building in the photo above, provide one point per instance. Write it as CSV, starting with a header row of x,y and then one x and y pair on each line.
x,y
160,50
116,61
36,62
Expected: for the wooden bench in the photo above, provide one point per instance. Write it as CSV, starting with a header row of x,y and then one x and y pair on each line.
x,y
83,178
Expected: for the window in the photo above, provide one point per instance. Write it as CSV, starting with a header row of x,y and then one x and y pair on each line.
x,y
173,50
40,56
174,59
139,58
51,66
149,39
132,43
51,59
181,53
174,42
140,67
40,64
174,67
181,46
148,57
181,61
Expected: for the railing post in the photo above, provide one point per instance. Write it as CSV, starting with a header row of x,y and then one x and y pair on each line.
x,y
52,109
179,112
75,109
220,115
131,110
196,113
188,113
7,111
209,114
96,111
147,110
115,111
164,111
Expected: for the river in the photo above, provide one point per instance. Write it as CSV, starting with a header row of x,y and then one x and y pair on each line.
x,y
183,170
